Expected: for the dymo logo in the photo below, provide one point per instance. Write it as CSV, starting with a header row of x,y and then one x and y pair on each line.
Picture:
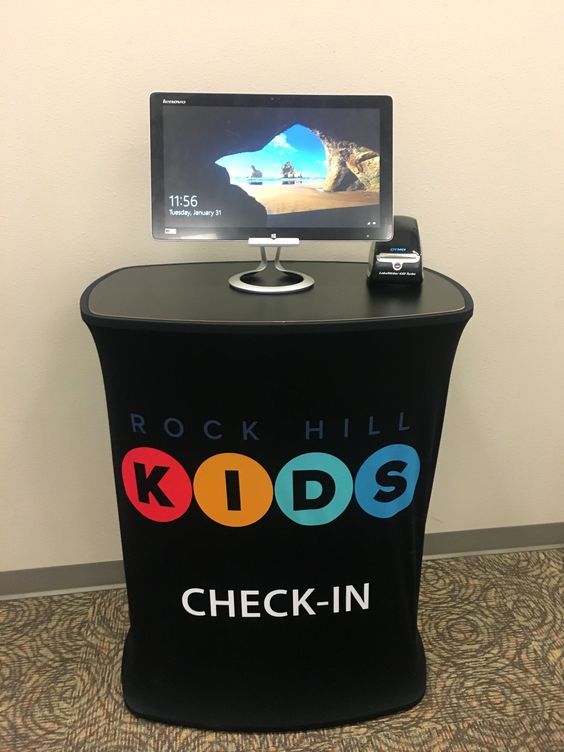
x,y
235,490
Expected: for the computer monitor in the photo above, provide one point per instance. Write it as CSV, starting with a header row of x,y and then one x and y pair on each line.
x,y
240,166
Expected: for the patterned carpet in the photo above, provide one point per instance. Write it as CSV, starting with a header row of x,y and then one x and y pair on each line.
x,y
492,625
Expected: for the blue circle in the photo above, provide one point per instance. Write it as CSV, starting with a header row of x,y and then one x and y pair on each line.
x,y
314,461
366,484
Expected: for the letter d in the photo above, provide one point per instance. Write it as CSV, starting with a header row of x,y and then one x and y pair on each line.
x,y
314,488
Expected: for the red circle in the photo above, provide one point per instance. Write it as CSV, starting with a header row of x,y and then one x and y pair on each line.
x,y
156,484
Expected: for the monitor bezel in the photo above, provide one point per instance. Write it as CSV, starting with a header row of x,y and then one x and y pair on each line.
x,y
384,103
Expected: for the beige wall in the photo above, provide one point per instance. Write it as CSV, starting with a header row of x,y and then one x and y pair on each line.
x,y
478,159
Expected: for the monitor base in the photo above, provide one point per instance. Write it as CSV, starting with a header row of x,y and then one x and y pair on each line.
x,y
264,279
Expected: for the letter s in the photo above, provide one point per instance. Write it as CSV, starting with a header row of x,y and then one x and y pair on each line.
x,y
386,481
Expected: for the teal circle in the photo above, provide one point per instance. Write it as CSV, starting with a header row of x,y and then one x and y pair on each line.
x,y
319,461
366,486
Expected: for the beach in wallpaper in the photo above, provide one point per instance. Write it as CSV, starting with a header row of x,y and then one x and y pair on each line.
x,y
295,173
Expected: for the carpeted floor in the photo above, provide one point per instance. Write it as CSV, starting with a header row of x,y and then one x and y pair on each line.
x,y
493,629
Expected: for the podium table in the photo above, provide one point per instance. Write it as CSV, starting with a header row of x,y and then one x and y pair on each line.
x,y
273,458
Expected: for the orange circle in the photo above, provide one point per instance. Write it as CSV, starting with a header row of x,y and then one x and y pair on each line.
x,y
233,489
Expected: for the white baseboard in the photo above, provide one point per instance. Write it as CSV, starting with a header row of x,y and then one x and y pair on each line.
x,y
109,574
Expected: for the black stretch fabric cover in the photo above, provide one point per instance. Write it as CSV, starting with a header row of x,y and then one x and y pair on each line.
x,y
195,370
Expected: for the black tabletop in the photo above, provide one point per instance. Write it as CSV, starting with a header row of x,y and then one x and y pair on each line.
x,y
197,297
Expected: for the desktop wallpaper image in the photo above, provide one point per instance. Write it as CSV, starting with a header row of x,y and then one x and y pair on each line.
x,y
270,167
290,174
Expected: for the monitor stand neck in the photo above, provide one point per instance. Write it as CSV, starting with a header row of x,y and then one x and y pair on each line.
x,y
271,277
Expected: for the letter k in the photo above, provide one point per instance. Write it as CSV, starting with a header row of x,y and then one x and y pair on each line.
x,y
149,484
301,601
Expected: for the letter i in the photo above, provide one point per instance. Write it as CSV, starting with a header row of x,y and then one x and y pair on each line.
x,y
336,597
233,489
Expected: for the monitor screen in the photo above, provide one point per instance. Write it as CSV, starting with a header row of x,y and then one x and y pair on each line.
x,y
236,166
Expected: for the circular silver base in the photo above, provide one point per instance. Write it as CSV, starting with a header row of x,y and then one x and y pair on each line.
x,y
250,281
244,283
